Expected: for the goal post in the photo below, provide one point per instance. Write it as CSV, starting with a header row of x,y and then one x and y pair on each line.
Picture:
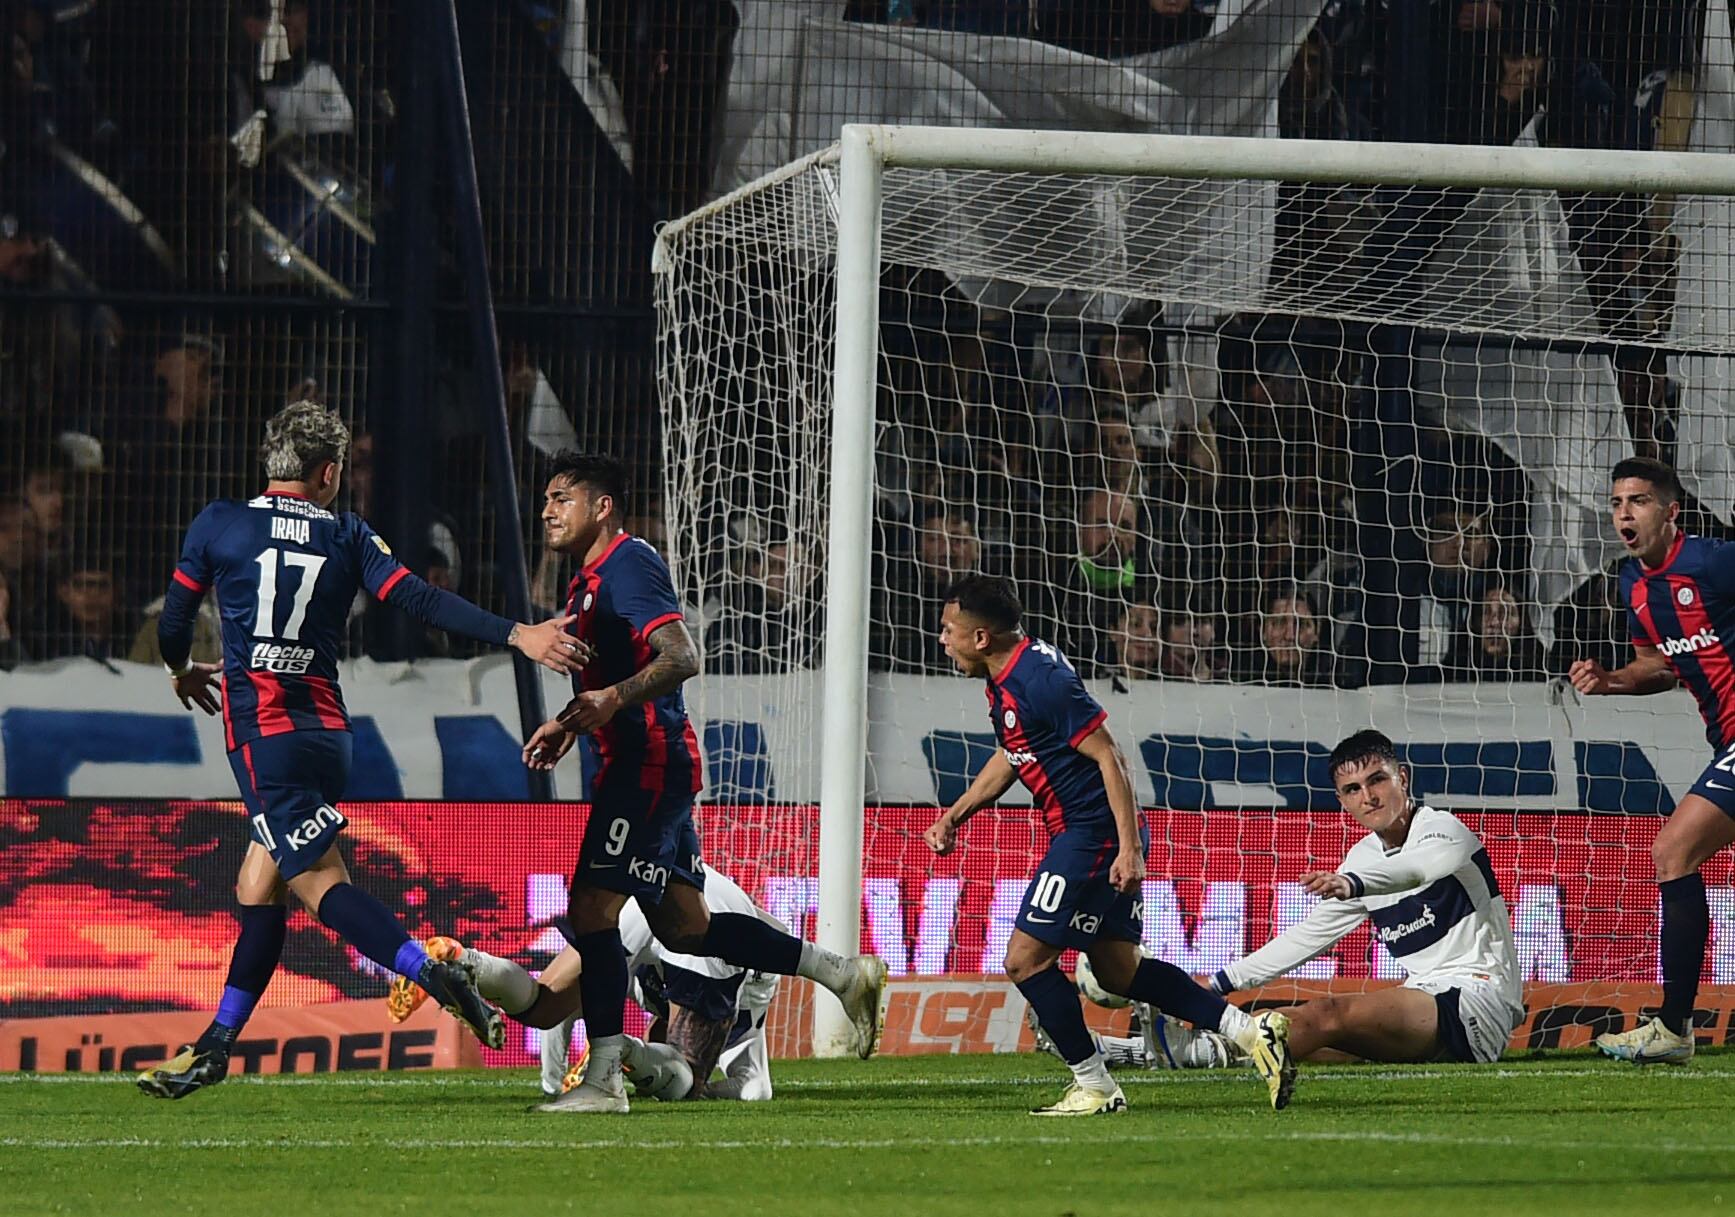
x,y
776,366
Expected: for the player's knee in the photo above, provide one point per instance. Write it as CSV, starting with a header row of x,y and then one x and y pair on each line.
x,y
1021,966
1672,856
1327,1013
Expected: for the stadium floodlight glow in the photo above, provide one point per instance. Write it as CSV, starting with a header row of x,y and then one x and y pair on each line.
x,y
776,367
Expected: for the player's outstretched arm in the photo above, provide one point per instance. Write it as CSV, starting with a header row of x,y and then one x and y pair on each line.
x,y
1648,672
546,643
674,661
1307,939
1128,869
994,780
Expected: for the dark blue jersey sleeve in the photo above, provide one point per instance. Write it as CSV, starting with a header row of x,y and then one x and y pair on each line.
x,y
391,582
192,577
380,571
641,591
1066,705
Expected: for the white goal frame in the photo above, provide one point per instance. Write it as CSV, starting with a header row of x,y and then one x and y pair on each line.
x,y
863,155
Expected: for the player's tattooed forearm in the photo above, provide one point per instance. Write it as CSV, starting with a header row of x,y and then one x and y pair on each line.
x,y
675,660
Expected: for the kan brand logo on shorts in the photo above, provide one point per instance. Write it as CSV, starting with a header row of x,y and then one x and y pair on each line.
x,y
647,872
307,832
1086,923
1706,637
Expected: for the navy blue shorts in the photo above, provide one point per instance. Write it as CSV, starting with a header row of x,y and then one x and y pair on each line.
x,y
1071,903
291,784
636,841
1717,783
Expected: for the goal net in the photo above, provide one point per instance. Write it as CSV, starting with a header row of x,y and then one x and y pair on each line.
x,y
1277,439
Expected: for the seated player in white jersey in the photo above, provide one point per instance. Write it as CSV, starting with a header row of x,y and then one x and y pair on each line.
x,y
1424,880
709,1013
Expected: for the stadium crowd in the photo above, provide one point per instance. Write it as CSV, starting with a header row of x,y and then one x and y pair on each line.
x,y
1238,527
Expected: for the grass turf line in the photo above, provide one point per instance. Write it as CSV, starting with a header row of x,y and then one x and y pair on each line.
x,y
937,1135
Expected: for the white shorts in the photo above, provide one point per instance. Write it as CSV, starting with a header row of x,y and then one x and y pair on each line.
x,y
1477,1017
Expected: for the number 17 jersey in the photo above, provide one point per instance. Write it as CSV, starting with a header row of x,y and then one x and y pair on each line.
x,y
285,572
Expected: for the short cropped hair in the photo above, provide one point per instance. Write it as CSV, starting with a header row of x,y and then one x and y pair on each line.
x,y
1368,745
1662,477
300,438
604,474
988,598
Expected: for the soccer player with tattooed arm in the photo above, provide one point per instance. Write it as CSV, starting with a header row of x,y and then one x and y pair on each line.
x,y
640,842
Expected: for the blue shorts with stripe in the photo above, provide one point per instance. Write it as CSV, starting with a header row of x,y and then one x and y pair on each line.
x,y
1716,784
291,784
637,840
1071,902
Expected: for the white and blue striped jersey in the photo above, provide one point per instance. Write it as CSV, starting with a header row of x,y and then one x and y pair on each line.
x,y
1434,904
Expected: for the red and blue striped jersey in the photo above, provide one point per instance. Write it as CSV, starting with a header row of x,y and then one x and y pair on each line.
x,y
619,601
285,571
1683,608
1041,713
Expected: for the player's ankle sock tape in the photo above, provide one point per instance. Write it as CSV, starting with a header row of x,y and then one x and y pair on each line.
x,y
602,982
369,927
1172,991
1686,924
748,942
1055,1000
253,963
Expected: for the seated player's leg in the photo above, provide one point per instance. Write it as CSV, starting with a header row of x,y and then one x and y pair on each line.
x,y
1395,1025
1168,1043
260,892
1703,824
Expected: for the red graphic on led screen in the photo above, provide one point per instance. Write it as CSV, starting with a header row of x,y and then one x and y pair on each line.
x,y
115,906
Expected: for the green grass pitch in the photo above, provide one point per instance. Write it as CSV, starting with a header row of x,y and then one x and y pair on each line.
x,y
943,1135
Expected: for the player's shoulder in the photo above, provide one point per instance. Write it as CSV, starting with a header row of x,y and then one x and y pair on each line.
x,y
1430,822
1043,661
635,554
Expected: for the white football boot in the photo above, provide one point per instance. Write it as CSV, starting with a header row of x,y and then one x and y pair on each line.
x,y
1649,1043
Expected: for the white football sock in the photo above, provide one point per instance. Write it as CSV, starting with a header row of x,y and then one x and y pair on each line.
x,y
1121,1053
1092,1073
606,1054
501,981
825,967
1235,1022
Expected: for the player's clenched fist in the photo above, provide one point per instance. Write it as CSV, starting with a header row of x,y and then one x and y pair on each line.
x,y
942,834
1589,677
551,646
1127,870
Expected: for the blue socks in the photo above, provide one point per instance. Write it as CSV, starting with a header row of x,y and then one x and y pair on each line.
x,y
251,967
1055,1001
748,942
370,928
1686,926
602,982
1172,991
